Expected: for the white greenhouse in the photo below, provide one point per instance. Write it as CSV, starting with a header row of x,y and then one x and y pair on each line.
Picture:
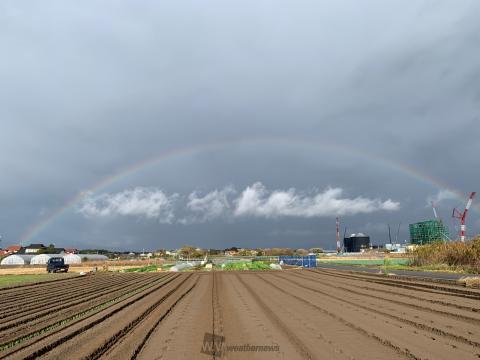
x,y
92,257
78,258
43,258
72,259
17,260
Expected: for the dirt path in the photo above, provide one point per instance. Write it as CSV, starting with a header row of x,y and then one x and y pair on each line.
x,y
299,314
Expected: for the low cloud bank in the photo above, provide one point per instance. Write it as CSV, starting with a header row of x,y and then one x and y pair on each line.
x,y
254,201
140,202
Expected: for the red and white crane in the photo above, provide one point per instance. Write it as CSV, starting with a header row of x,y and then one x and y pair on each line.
x,y
463,215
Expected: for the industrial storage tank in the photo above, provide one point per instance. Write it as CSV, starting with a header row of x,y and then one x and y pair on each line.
x,y
356,242
17,260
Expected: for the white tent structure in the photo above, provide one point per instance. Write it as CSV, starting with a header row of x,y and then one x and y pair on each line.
x,y
43,258
184,265
92,257
72,259
17,260
78,258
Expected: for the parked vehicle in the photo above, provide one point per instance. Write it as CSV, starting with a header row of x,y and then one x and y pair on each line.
x,y
57,264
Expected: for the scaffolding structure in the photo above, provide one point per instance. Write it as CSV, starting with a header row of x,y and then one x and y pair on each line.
x,y
425,232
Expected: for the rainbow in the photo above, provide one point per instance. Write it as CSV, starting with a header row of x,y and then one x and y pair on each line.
x,y
35,229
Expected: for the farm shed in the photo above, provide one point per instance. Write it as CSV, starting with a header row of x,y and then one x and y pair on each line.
x,y
17,260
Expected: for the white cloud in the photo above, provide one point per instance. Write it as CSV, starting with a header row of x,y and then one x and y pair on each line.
x,y
257,201
213,205
442,195
140,202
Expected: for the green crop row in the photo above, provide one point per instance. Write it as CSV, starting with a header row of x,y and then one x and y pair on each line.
x,y
245,265
148,268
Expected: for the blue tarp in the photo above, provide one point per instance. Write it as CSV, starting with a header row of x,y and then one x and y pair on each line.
x,y
305,261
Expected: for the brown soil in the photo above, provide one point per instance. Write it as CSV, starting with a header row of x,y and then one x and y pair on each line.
x,y
297,314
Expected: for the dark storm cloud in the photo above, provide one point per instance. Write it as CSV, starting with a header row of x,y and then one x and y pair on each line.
x,y
89,88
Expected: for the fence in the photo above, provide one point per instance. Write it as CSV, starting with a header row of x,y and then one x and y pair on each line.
x,y
304,261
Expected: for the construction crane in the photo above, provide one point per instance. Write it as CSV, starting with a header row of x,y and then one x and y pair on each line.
x,y
443,230
434,210
338,236
463,215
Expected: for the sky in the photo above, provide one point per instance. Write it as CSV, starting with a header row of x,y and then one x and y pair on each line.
x,y
146,125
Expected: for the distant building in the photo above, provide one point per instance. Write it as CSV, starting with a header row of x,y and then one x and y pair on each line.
x,y
12,249
399,248
233,251
248,252
70,251
34,248
52,250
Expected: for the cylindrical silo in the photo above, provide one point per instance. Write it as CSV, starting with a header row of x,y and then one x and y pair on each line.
x,y
356,242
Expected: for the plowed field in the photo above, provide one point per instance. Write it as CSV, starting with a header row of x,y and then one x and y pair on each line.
x,y
291,314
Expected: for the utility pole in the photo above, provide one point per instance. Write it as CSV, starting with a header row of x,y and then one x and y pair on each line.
x,y
338,236
463,215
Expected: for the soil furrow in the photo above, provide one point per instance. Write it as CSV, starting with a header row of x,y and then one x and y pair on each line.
x,y
436,298
90,320
361,305
419,340
83,305
301,347
393,300
135,322
77,298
